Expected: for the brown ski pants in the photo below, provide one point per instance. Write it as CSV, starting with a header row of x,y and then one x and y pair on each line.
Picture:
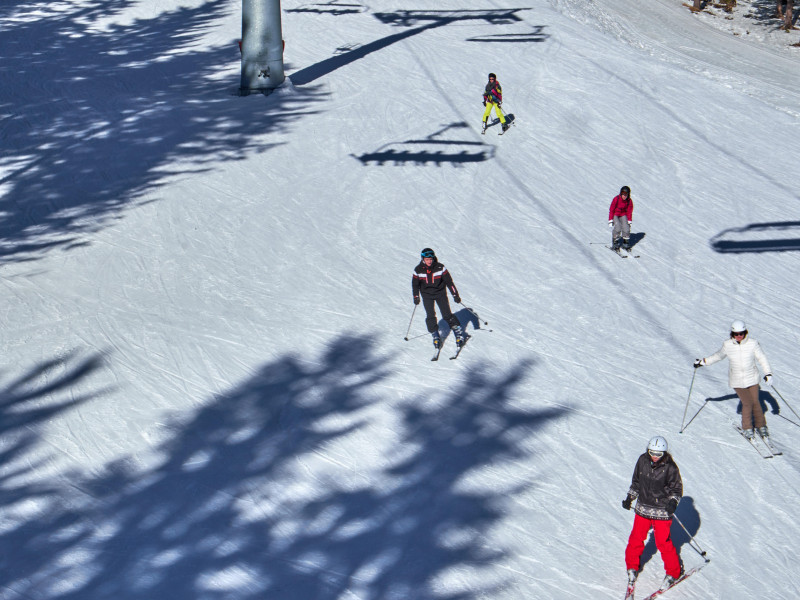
x,y
752,414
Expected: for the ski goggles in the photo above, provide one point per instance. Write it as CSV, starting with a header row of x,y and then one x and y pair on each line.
x,y
655,453
427,254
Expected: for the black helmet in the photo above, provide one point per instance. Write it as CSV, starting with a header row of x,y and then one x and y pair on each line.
x,y
428,253
625,190
492,76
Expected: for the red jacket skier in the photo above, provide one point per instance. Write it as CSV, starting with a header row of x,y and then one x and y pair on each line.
x,y
620,218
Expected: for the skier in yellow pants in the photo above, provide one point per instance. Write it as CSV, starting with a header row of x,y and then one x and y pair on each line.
x,y
493,97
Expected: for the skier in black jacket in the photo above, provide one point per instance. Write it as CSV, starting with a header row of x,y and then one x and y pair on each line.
x,y
657,487
431,280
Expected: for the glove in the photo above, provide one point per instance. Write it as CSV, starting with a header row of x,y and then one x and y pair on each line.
x,y
484,102
416,299
768,378
457,299
610,224
626,504
672,505
698,362
630,224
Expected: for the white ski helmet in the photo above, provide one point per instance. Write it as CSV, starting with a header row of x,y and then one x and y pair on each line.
x,y
738,326
657,444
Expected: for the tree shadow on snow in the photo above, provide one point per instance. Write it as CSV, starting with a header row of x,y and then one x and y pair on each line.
x,y
767,10
285,487
41,394
99,110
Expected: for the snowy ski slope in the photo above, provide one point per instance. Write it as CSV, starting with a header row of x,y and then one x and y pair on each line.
x,y
206,393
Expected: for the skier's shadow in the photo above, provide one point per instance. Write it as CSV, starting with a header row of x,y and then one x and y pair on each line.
x,y
636,238
495,121
465,317
690,518
765,399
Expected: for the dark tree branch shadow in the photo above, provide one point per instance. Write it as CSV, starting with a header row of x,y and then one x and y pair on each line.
x,y
253,497
95,119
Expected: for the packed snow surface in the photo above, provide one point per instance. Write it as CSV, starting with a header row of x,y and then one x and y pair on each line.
x,y
206,390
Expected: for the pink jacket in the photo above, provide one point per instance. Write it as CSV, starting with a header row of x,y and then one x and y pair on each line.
x,y
620,207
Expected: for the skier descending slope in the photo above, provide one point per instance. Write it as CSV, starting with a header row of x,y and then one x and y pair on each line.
x,y
657,488
742,353
431,280
493,97
620,219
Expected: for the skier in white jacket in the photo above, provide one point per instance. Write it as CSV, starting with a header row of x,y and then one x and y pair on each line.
x,y
742,353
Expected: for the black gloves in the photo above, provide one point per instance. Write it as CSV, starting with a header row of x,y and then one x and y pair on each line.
x,y
672,505
626,504
416,299
457,299
698,362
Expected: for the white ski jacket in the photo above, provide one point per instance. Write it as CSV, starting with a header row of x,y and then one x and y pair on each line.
x,y
742,357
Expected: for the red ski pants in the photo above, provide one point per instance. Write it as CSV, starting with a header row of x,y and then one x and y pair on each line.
x,y
661,531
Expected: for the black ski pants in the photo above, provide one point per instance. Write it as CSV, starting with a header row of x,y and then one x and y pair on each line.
x,y
444,306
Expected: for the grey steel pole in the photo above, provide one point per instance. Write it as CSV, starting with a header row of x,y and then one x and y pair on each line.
x,y
413,312
262,46
691,385
784,401
692,543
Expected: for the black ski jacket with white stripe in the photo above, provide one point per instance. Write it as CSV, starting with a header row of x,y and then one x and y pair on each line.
x,y
430,281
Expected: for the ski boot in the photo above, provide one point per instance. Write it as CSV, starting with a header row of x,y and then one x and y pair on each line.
x,y
632,575
763,432
615,244
626,243
437,341
461,337
669,581
505,126
485,124
748,433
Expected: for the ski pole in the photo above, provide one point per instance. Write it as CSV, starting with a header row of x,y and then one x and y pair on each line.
x,y
411,321
694,545
474,314
784,401
691,385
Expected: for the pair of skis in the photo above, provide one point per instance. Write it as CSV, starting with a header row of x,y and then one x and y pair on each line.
x,y
765,449
618,252
632,587
459,348
502,131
